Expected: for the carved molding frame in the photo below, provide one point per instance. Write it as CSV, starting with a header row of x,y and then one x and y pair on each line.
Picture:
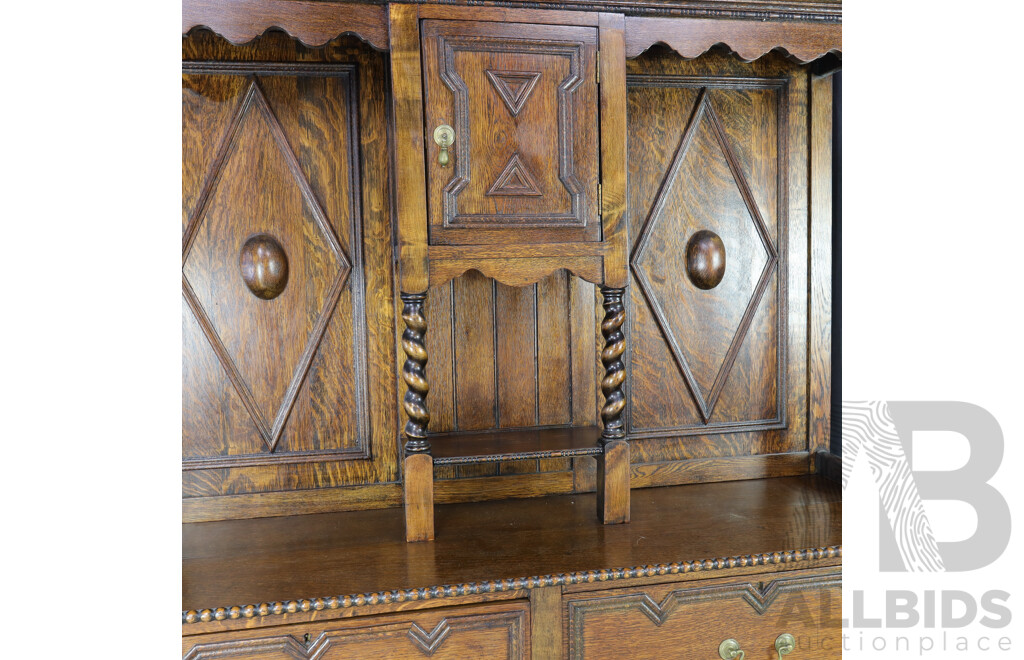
x,y
566,166
351,274
779,266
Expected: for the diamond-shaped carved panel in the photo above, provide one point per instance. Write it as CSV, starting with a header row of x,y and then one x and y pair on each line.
x,y
704,190
266,346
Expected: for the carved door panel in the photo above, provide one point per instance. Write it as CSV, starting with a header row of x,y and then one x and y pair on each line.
x,y
717,214
522,100
279,334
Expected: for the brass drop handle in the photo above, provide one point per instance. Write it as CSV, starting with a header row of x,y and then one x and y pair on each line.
x,y
784,644
730,650
444,136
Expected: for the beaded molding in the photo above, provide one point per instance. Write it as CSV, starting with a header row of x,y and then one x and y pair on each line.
x,y
510,584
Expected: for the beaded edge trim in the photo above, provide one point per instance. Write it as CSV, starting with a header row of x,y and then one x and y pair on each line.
x,y
510,584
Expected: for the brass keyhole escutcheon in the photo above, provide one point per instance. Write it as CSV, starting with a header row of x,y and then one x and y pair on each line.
x,y
264,266
444,136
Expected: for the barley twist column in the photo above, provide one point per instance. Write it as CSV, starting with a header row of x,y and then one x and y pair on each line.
x,y
414,373
614,369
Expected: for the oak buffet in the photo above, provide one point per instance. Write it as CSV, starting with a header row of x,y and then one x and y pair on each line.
x,y
506,329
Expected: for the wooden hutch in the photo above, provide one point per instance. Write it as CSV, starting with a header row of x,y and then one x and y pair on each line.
x,y
506,329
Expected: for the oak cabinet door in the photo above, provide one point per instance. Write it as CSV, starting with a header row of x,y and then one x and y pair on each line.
x,y
718,230
277,348
522,100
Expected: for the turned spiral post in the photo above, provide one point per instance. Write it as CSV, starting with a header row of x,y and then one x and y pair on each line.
x,y
414,372
614,369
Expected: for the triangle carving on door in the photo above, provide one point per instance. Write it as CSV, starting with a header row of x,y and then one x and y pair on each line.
x,y
514,87
514,179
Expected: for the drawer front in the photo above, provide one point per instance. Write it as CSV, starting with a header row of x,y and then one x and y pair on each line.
x,y
486,632
522,101
667,621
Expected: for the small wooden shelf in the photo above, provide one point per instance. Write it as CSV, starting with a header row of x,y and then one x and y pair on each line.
x,y
514,444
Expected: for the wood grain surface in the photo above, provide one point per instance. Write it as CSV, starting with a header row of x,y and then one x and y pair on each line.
x,y
409,143
239,562
728,360
312,23
804,41
643,623
500,357
507,444
482,631
820,338
276,392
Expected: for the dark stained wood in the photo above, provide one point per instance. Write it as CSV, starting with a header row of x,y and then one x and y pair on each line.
x,y
502,357
828,465
363,552
522,99
263,265
829,11
478,447
613,483
643,622
414,372
418,487
312,23
499,14
515,310
819,366
804,41
614,370
705,259
475,370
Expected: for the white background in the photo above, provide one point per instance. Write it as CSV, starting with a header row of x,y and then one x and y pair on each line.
x,y
933,262
933,257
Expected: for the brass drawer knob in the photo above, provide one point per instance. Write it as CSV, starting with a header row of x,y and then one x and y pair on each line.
x,y
730,650
785,644
444,136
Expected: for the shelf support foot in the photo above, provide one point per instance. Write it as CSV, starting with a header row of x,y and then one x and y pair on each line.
x,y
418,490
613,483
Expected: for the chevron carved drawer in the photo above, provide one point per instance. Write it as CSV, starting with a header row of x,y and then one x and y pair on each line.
x,y
693,620
481,633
